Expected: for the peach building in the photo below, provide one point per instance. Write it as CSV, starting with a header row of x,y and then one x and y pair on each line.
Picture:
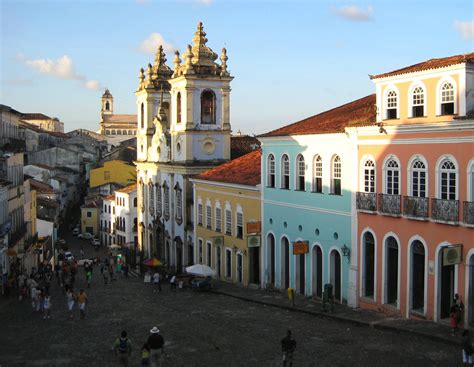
x,y
416,192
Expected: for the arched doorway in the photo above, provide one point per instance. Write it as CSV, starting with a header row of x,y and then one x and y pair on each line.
x,y
285,263
446,274
470,291
335,274
391,271
317,272
271,257
190,254
368,268
218,261
417,279
300,279
239,269
179,254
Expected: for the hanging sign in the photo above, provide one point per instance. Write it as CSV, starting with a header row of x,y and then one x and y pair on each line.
x,y
254,227
300,247
452,255
253,241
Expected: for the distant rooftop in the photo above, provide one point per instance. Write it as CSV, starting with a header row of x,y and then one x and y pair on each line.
x,y
128,189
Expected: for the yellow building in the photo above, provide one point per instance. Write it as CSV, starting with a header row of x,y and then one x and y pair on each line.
x,y
227,224
113,171
90,214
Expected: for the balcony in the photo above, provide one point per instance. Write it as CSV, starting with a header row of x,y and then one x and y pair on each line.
x,y
416,207
366,201
469,212
445,210
390,204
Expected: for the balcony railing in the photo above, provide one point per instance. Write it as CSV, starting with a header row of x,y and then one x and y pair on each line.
x,y
445,210
367,201
389,204
416,207
469,212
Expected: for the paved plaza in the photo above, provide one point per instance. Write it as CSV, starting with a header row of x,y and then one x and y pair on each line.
x,y
200,329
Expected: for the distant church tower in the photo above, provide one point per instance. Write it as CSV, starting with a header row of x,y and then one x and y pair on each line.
x,y
107,103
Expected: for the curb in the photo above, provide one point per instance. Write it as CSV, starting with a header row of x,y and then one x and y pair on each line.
x,y
371,324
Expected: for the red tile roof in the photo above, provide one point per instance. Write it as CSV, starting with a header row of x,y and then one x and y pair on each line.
x,y
430,64
120,118
35,116
110,197
242,144
243,171
360,112
128,189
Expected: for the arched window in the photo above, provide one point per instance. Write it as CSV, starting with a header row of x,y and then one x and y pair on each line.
x,y
368,276
447,99
135,202
208,215
239,223
124,132
151,189
107,132
228,220
392,105
285,172
271,171
447,180
369,176
318,174
200,213
418,179
218,217
119,132
178,108
179,204
130,132
166,193
208,107
142,116
418,102
392,178
300,173
336,175
159,201
113,132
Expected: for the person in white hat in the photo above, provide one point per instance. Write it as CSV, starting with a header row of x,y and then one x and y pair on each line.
x,y
155,342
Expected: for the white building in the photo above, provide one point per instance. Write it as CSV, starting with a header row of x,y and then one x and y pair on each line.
x,y
183,130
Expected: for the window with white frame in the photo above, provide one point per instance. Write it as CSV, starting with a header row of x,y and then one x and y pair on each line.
x,y
179,203
418,102
208,216
200,214
159,203
285,172
392,105
240,225
300,173
271,171
369,176
447,99
336,175
228,222
218,219
228,263
448,179
318,174
166,193
392,178
418,179
151,189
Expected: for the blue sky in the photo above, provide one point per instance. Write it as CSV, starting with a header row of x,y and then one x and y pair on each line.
x,y
290,59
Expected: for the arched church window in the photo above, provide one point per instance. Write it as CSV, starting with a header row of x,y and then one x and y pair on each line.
x,y
142,116
178,108
107,132
119,132
113,132
107,106
208,107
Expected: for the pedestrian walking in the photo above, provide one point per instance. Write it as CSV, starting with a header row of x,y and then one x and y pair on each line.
x,y
145,355
173,283
89,278
71,299
467,349
82,301
288,346
47,306
157,280
156,343
123,348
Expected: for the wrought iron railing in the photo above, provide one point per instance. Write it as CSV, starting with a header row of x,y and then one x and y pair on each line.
x,y
416,207
366,201
468,212
445,210
389,204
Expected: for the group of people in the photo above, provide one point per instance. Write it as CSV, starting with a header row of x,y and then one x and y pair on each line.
x,y
151,350
157,280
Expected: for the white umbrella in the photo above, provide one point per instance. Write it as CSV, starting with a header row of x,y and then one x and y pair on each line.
x,y
200,269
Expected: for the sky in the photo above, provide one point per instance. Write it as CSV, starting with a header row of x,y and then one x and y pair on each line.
x,y
290,59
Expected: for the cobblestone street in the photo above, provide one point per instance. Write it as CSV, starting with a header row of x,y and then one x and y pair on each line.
x,y
200,329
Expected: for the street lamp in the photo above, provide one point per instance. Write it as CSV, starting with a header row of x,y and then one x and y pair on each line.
x,y
346,251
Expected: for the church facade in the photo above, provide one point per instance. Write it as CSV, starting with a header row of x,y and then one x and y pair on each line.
x,y
115,127
183,129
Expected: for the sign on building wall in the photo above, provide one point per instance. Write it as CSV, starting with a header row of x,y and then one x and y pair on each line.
x,y
300,247
254,241
452,255
218,240
254,227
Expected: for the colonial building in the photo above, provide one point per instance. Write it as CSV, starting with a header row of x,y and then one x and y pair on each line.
x,y
44,122
416,191
227,205
112,171
183,130
308,196
115,127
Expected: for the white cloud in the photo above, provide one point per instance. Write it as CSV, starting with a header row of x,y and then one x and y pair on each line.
x,y
62,68
466,28
150,44
354,13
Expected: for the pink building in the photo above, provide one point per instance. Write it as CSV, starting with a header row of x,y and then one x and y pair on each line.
x,y
416,191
